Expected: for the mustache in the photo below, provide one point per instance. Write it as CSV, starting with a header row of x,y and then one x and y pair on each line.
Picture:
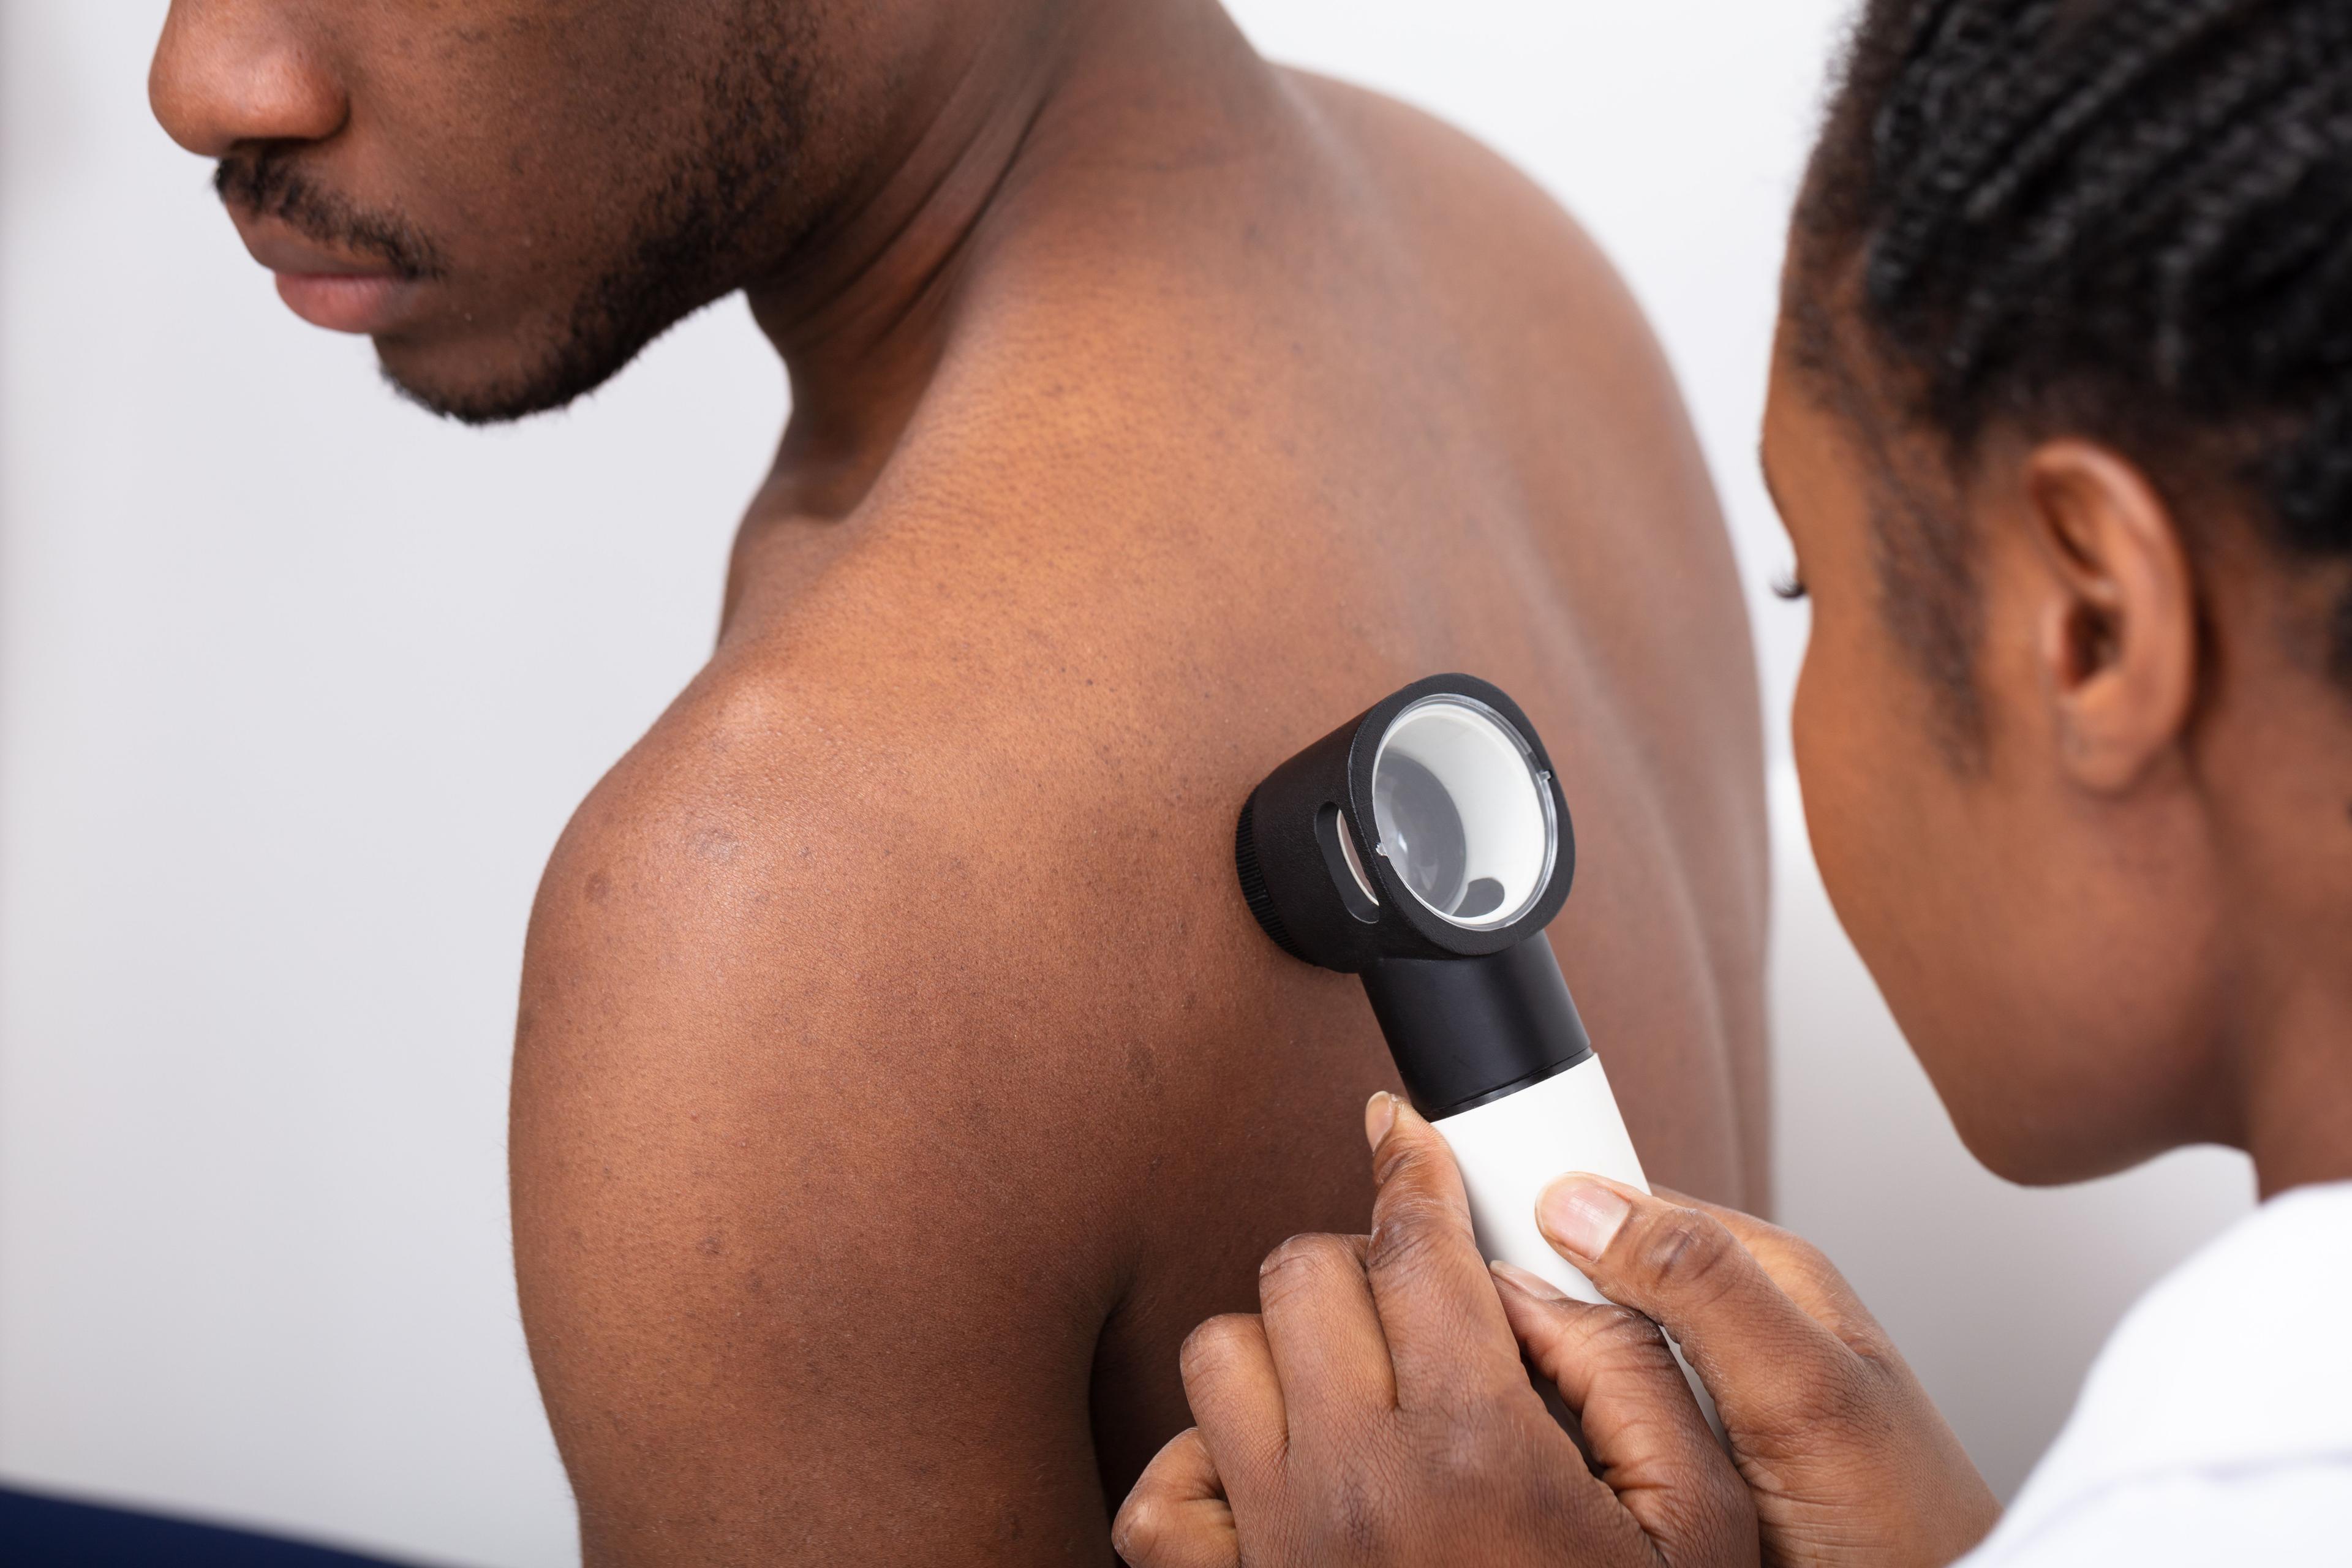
x,y
266,183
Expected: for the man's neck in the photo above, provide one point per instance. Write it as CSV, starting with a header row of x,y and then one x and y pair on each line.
x,y
861,315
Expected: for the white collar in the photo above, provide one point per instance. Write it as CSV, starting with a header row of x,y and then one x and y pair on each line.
x,y
2238,1359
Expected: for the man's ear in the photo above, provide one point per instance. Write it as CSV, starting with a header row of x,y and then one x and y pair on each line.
x,y
2116,638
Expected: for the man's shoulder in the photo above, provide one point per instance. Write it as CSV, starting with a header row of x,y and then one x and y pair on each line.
x,y
1426,145
742,790
1461,197
823,850
796,1121
1363,254
1522,320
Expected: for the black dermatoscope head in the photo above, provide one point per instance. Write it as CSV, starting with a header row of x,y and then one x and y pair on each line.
x,y
1424,845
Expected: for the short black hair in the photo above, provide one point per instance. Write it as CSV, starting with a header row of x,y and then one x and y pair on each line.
x,y
2129,220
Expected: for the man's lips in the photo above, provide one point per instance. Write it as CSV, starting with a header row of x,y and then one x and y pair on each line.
x,y
342,301
328,289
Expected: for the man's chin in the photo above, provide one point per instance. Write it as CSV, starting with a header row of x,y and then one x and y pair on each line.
x,y
495,375
463,387
466,405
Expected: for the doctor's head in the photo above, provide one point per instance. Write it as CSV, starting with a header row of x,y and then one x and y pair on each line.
x,y
513,196
2060,424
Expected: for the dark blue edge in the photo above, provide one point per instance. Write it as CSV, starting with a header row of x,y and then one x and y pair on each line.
x,y
42,1531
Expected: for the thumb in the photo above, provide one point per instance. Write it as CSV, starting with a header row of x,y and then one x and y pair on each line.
x,y
1760,1353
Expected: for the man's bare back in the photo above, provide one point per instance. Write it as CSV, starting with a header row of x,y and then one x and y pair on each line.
x,y
899,1076
892,1018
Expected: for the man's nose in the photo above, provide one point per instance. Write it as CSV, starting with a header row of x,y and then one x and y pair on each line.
x,y
232,72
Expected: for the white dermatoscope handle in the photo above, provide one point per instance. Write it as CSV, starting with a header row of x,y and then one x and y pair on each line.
x,y
1511,1149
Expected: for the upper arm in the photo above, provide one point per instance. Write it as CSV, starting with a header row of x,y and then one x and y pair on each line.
x,y
796,1286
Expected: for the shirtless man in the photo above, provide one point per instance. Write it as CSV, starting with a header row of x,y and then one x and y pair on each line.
x,y
1153,411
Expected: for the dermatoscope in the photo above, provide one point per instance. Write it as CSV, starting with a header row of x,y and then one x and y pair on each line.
x,y
1424,846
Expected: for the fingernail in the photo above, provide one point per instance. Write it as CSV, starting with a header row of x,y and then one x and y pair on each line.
x,y
1535,1284
1379,1115
1581,1216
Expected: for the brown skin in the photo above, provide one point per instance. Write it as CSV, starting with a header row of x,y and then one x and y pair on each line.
x,y
2116,925
901,1077
2111,923
1376,1412
1847,1461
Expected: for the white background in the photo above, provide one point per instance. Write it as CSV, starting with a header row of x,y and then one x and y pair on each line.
x,y
297,687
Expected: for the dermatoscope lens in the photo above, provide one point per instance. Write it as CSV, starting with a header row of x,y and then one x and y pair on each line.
x,y
1463,817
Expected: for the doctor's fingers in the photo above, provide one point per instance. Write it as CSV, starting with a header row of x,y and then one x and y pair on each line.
x,y
1847,1459
1649,1442
1325,1334
1772,1368
1177,1516
1446,1335
1799,1268
1237,1406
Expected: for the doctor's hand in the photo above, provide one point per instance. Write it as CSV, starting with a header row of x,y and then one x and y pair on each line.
x,y
1847,1458
1376,1412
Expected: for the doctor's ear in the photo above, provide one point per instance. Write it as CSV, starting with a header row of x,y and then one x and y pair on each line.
x,y
2115,630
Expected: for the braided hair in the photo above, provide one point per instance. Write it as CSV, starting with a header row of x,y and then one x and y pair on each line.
x,y
2126,219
